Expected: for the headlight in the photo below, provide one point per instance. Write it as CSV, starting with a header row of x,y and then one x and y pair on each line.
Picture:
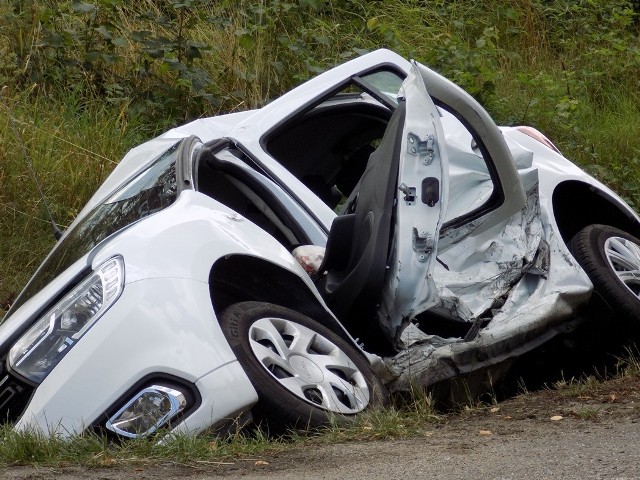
x,y
40,349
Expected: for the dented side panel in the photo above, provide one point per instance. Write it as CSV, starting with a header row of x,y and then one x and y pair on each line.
x,y
505,273
517,277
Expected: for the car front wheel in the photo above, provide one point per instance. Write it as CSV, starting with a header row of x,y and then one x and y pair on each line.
x,y
305,374
611,259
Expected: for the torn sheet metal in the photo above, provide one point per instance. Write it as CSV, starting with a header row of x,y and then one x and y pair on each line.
x,y
523,264
478,263
476,270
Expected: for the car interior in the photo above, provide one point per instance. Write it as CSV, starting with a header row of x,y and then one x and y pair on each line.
x,y
328,148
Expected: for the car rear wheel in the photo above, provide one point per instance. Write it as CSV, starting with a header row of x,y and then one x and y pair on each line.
x,y
305,374
611,259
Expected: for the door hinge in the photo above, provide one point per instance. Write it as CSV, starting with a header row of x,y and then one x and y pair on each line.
x,y
422,148
422,243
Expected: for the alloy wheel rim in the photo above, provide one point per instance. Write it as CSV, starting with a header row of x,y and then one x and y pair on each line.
x,y
309,365
623,257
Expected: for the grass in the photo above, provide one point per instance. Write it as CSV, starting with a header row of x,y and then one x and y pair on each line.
x,y
626,365
33,448
576,387
411,415
588,413
629,363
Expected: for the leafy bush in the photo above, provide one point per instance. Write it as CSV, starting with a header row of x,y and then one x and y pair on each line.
x,y
98,76
140,56
169,61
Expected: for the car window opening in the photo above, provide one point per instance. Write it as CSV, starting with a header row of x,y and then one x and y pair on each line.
x,y
328,147
247,192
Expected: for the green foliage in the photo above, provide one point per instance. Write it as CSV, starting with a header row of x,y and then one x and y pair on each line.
x,y
277,44
89,449
100,75
173,60
140,56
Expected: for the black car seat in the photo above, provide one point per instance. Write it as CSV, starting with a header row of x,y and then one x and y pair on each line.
x,y
358,246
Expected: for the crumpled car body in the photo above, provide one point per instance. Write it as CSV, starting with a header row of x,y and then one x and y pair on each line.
x,y
174,302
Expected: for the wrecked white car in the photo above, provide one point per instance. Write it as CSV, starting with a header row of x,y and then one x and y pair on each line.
x,y
372,229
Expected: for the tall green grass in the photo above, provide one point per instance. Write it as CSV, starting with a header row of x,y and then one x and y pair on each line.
x,y
72,146
84,82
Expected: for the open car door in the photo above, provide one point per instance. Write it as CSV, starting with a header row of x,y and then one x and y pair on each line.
x,y
424,182
422,186
383,245
406,184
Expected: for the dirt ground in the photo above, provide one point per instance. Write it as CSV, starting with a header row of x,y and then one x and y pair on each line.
x,y
572,433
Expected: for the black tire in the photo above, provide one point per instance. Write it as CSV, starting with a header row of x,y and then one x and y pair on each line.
x,y
608,255
308,375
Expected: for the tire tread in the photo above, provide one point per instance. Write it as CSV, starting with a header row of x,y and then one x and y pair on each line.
x,y
587,247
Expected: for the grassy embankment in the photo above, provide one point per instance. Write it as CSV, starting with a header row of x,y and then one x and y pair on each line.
x,y
591,398
82,83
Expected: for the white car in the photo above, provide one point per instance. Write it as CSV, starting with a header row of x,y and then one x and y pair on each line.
x,y
370,230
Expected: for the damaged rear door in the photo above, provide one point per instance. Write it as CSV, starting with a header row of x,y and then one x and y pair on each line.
x,y
422,186
423,228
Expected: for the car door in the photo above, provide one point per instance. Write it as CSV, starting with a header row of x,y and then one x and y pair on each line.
x,y
422,188
424,181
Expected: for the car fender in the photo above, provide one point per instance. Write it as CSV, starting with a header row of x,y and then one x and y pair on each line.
x,y
187,239
557,172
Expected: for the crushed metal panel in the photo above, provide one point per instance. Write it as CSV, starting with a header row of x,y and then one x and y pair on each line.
x,y
474,271
434,359
539,282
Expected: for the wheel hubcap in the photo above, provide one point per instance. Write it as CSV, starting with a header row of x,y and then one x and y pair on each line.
x,y
309,365
624,259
